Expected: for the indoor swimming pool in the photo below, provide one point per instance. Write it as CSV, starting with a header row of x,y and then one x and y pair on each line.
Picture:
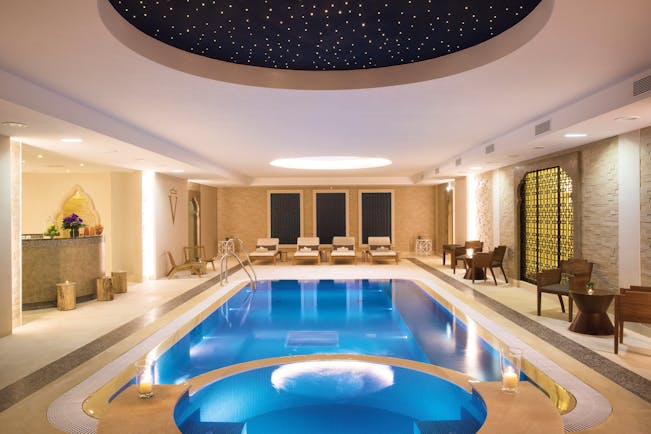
x,y
390,319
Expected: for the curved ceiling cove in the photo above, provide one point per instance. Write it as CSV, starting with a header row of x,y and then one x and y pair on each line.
x,y
323,35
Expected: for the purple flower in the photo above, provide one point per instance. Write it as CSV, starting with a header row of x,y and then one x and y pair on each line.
x,y
72,221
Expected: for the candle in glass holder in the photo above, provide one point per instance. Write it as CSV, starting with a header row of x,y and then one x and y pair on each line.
x,y
144,379
510,363
510,379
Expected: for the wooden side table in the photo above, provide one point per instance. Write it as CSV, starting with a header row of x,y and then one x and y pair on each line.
x,y
66,296
591,318
104,287
119,281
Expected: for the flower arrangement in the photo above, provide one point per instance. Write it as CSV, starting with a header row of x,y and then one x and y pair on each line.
x,y
52,231
73,222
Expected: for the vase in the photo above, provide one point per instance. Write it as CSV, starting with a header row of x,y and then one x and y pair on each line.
x,y
74,232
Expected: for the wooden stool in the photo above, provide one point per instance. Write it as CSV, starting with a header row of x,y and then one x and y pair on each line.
x,y
119,281
104,288
66,296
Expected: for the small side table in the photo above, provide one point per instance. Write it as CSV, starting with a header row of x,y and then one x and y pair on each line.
x,y
424,247
592,318
66,296
479,272
104,288
119,281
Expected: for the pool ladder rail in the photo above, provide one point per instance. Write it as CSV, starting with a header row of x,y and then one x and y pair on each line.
x,y
223,264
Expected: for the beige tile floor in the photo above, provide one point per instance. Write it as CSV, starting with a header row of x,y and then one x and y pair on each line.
x,y
48,334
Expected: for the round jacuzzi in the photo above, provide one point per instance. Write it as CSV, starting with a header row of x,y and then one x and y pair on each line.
x,y
343,396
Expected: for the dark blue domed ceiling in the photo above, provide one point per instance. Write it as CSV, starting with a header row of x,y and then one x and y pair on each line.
x,y
323,35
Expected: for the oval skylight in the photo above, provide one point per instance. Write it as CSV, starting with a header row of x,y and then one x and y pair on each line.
x,y
330,163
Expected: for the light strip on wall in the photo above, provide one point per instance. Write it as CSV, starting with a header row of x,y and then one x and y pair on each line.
x,y
148,226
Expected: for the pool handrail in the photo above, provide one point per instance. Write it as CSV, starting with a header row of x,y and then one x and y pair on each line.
x,y
223,263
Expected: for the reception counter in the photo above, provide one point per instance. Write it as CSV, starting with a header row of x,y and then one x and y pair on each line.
x,y
47,262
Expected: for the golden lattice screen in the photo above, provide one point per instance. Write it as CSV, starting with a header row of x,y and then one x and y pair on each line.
x,y
546,221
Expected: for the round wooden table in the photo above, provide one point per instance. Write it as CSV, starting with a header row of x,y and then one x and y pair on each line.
x,y
592,318
479,272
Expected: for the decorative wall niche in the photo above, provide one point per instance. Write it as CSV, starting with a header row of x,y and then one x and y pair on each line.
x,y
80,203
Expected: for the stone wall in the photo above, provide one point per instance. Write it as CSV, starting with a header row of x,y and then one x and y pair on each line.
x,y
484,201
645,205
600,203
508,223
242,212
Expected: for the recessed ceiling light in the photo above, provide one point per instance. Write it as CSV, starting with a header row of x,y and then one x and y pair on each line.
x,y
71,140
81,164
39,156
575,135
12,124
627,118
330,163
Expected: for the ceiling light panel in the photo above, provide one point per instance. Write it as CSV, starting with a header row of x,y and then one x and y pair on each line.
x,y
330,163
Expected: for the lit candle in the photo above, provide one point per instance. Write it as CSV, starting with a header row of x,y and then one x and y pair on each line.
x,y
509,379
145,386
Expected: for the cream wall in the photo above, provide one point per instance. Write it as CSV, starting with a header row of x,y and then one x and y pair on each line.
x,y
44,194
124,235
169,235
209,236
242,212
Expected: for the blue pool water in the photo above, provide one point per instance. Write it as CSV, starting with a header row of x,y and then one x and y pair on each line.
x,y
322,397
393,318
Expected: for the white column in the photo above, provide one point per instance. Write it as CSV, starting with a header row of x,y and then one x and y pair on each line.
x,y
10,254
496,207
460,210
628,173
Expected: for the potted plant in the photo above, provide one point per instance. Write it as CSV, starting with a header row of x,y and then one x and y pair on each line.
x,y
52,231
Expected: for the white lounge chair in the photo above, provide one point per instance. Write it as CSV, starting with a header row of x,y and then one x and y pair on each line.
x,y
343,248
379,248
307,249
265,249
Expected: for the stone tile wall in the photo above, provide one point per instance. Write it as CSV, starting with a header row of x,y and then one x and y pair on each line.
x,y
508,224
600,215
645,205
242,212
484,200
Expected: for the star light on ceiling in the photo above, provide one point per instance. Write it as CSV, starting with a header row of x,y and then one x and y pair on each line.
x,y
323,35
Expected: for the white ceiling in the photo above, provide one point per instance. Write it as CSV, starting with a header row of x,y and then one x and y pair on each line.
x,y
65,75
